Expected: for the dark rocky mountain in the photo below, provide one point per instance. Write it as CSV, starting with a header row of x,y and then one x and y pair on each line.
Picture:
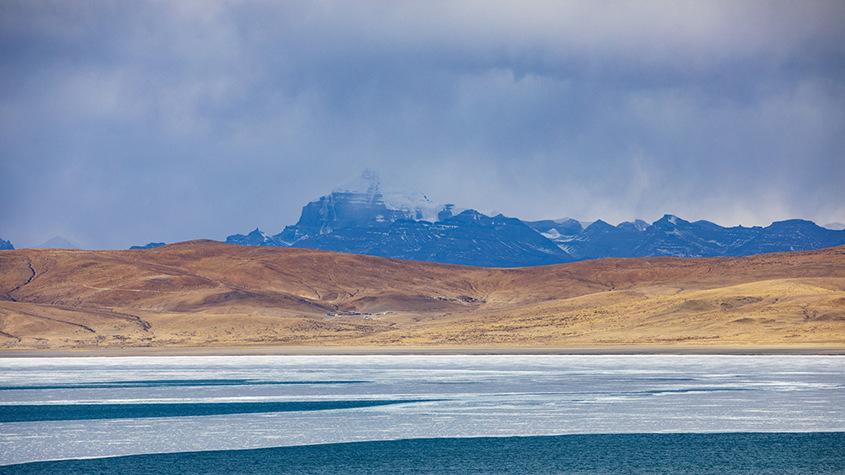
x,y
635,225
360,218
469,238
149,245
601,239
256,237
6,245
554,228
673,236
789,235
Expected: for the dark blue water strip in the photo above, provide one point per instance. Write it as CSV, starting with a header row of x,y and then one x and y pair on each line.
x,y
72,412
735,453
170,383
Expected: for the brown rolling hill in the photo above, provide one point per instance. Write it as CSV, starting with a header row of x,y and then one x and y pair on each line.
x,y
208,294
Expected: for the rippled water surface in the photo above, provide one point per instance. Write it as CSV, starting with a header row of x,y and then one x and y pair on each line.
x,y
104,406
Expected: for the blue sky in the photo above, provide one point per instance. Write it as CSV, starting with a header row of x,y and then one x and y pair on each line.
x,y
127,122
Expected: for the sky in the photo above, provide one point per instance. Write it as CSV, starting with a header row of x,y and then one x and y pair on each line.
x,y
128,122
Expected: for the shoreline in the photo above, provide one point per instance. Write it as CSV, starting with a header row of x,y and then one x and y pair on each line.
x,y
821,350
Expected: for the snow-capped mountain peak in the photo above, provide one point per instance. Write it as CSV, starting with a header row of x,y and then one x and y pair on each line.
x,y
362,217
367,190
367,185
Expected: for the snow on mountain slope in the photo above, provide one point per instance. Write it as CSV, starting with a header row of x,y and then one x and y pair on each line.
x,y
361,217
367,190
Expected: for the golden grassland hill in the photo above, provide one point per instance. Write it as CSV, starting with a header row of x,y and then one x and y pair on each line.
x,y
208,294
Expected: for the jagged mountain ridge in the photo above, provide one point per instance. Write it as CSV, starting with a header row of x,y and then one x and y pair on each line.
x,y
363,219
6,245
366,220
673,236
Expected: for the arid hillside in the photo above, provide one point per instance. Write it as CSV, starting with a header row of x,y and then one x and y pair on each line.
x,y
207,294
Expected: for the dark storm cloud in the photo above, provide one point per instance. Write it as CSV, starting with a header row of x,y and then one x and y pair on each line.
x,y
122,123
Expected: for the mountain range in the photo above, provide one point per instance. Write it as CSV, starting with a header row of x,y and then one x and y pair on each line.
x,y
6,245
361,218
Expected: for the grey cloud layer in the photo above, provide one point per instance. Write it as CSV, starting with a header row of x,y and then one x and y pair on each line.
x,y
123,123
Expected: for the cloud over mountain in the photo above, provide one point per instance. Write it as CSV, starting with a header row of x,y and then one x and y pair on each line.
x,y
125,123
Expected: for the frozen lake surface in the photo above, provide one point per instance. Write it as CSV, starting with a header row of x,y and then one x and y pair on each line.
x,y
140,405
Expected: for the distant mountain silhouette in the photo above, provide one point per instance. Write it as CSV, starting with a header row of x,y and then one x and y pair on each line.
x,y
361,218
673,236
149,245
58,242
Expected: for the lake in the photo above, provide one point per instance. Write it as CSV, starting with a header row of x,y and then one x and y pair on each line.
x,y
421,414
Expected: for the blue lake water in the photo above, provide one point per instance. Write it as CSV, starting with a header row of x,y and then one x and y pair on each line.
x,y
81,412
764,413
747,453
